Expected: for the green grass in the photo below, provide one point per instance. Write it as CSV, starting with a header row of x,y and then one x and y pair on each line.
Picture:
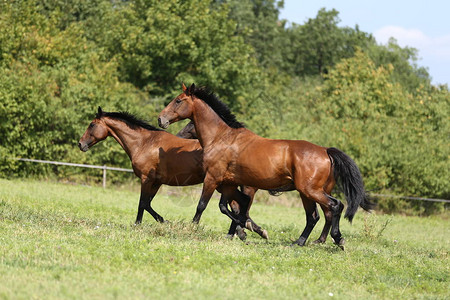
x,y
63,241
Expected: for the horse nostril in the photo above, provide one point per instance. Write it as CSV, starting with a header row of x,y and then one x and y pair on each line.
x,y
159,122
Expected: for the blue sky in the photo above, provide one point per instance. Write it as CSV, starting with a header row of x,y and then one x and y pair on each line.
x,y
421,24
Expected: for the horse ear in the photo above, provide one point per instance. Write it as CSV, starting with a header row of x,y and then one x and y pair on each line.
x,y
191,89
99,112
184,87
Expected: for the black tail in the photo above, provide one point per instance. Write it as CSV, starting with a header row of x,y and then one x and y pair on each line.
x,y
348,176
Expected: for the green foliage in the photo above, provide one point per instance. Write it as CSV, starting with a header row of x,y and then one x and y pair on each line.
x,y
49,92
257,21
158,45
392,134
316,46
404,60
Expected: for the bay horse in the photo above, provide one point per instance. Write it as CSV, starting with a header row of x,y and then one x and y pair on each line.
x,y
233,156
157,158
188,132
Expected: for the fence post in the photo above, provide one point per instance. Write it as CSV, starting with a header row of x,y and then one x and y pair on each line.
x,y
104,176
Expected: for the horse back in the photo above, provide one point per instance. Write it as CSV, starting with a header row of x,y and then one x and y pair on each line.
x,y
270,163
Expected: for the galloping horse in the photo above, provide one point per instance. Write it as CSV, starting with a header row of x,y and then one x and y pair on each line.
x,y
233,156
157,158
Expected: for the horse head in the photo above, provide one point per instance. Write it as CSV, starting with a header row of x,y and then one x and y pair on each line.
x,y
180,108
95,132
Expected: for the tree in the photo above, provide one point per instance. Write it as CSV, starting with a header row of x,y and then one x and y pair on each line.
x,y
160,44
319,44
51,83
394,135
406,70
257,21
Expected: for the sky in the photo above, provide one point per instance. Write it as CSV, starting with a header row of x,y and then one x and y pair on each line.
x,y
420,24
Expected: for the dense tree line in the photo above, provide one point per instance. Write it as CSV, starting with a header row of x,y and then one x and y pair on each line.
x,y
332,85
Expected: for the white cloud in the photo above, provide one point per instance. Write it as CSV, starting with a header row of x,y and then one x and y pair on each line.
x,y
434,51
436,46
405,37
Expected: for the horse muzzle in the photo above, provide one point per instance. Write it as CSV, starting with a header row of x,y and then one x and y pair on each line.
x,y
163,122
83,146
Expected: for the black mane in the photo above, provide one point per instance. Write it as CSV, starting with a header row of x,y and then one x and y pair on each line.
x,y
129,119
218,106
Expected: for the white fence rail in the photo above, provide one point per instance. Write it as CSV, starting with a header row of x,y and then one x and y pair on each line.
x,y
104,168
409,198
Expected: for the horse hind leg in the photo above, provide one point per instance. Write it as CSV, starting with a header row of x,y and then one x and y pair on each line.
x,y
336,208
332,208
326,228
312,217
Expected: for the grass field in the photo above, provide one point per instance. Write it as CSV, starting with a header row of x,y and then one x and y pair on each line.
x,y
77,242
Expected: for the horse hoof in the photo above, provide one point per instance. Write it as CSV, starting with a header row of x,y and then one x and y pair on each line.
x,y
319,241
341,244
301,242
241,233
230,236
248,225
265,234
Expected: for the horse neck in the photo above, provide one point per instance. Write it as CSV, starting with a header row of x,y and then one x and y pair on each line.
x,y
127,137
207,123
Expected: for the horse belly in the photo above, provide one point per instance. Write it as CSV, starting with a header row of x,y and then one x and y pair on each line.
x,y
181,174
184,179
265,183
263,176
265,166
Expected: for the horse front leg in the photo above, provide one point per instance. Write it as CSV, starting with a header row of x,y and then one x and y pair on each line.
x,y
227,195
245,200
209,185
234,228
148,192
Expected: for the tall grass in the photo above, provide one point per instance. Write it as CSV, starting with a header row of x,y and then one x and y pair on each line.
x,y
62,241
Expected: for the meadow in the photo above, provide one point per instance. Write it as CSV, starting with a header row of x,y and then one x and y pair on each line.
x,y
62,241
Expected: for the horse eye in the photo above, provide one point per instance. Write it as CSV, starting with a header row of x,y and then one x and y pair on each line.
x,y
178,101
91,125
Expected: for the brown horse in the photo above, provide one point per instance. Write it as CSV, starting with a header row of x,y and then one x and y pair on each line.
x,y
188,132
233,155
159,157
